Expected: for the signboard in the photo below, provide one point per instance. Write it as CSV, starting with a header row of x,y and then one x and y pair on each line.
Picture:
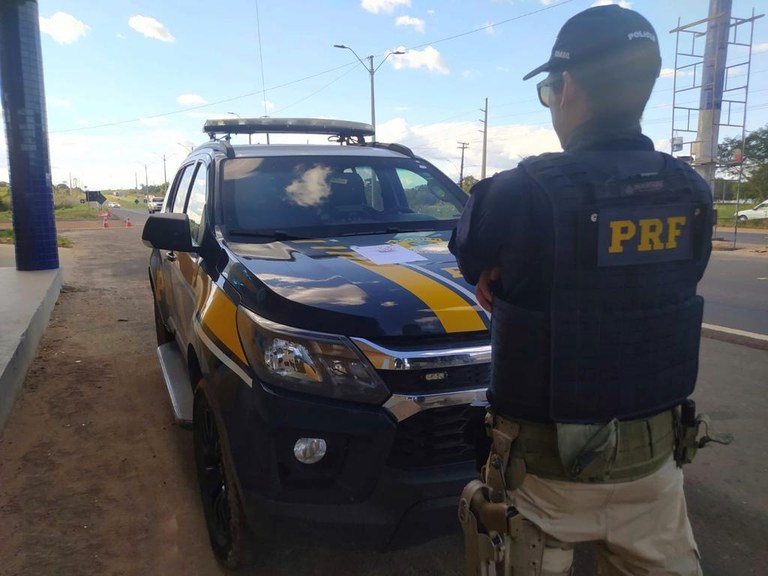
x,y
677,144
95,196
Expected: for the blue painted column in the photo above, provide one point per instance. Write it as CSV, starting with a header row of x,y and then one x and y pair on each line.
x,y
26,128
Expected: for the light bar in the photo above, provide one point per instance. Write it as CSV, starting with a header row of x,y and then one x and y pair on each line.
x,y
342,128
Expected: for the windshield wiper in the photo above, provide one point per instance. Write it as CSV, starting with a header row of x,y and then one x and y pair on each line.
x,y
269,234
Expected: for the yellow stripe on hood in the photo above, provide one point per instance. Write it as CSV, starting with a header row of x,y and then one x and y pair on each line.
x,y
454,313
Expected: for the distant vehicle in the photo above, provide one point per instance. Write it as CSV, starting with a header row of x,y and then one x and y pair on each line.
x,y
113,205
155,204
759,212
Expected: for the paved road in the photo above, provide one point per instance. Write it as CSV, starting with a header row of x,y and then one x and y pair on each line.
x,y
735,289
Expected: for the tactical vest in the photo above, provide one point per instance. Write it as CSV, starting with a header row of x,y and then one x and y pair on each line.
x,y
621,339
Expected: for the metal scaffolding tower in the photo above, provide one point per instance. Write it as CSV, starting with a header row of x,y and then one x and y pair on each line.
x,y
711,85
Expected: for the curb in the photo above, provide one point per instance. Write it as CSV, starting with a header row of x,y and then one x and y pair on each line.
x,y
734,336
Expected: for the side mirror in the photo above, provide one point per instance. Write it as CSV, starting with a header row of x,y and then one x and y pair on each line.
x,y
168,231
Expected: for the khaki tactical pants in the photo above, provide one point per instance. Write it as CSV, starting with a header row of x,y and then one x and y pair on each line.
x,y
641,526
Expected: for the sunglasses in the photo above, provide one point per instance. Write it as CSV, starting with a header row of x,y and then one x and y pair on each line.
x,y
547,87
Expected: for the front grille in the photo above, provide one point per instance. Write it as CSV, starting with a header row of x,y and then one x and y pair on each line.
x,y
438,436
468,377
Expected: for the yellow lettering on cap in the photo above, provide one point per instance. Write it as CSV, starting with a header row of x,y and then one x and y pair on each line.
x,y
621,230
650,235
674,223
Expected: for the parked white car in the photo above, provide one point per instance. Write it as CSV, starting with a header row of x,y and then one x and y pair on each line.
x,y
759,212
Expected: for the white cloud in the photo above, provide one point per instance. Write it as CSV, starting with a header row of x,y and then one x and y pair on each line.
x,y
60,102
431,12
670,73
548,2
269,105
428,58
622,3
762,47
191,100
63,28
507,144
468,74
489,29
376,6
502,68
415,23
151,28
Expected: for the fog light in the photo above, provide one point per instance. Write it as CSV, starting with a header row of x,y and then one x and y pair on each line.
x,y
309,450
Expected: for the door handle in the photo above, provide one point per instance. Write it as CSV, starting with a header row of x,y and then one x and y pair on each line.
x,y
171,256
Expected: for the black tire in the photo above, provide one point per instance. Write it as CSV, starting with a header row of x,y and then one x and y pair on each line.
x,y
163,335
742,218
227,526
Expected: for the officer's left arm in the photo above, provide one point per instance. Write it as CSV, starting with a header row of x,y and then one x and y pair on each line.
x,y
476,240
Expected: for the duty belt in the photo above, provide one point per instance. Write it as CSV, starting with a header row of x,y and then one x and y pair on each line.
x,y
640,447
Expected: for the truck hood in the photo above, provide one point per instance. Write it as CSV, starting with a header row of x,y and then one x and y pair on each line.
x,y
336,285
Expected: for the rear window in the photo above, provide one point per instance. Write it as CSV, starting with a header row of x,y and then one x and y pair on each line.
x,y
336,194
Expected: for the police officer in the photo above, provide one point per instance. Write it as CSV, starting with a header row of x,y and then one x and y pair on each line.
x,y
588,261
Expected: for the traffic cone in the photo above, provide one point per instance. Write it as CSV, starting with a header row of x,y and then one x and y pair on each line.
x,y
105,223
128,223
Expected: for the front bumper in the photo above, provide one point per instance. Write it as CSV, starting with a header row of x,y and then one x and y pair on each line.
x,y
381,484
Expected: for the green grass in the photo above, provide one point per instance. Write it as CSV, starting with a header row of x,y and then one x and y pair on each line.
x,y
7,237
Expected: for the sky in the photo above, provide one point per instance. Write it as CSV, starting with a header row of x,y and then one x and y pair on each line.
x,y
129,85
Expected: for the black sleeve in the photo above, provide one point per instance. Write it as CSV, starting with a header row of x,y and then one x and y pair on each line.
x,y
494,227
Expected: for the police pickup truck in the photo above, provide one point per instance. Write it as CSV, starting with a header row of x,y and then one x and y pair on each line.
x,y
315,332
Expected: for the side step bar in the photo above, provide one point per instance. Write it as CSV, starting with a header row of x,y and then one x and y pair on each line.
x,y
177,382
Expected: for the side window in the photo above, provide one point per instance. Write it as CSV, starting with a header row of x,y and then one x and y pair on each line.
x,y
196,203
426,195
180,194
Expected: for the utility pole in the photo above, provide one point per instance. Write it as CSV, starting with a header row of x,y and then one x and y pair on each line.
x,y
485,137
462,146
136,181
165,175
712,83
146,181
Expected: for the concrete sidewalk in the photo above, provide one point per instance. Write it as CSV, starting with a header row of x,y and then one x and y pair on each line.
x,y
25,307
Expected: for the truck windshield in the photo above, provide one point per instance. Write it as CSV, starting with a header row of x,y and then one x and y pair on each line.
x,y
336,193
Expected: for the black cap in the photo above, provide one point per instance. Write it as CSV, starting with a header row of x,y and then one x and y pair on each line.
x,y
597,32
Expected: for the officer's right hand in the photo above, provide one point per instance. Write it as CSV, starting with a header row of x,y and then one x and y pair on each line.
x,y
484,289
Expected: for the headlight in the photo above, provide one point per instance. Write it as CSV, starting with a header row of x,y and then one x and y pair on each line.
x,y
310,362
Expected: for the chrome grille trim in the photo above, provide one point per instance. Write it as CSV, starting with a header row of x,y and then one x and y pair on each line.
x,y
387,359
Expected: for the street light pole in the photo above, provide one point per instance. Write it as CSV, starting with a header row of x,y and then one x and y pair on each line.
x,y
249,136
371,71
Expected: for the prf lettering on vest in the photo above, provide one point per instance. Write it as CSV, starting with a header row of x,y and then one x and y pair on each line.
x,y
648,233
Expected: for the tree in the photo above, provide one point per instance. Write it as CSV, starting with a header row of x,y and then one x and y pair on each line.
x,y
467,183
754,153
757,186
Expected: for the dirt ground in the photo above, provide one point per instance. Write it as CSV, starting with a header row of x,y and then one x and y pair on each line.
x,y
94,477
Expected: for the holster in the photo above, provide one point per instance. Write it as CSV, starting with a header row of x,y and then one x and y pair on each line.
x,y
505,468
689,436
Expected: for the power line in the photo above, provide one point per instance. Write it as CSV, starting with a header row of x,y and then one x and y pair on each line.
x,y
261,60
491,25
